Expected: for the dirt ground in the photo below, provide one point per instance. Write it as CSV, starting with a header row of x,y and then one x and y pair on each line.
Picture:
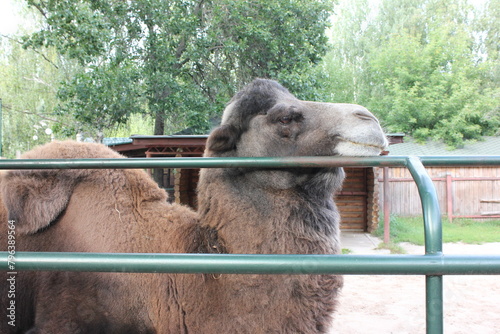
x,y
396,304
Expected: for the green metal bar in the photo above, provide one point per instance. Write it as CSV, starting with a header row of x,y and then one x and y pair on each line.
x,y
457,160
434,304
278,162
202,162
433,243
430,206
256,264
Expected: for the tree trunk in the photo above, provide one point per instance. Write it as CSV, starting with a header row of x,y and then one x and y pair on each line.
x,y
159,123
159,131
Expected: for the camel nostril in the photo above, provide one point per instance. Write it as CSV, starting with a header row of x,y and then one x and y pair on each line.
x,y
365,115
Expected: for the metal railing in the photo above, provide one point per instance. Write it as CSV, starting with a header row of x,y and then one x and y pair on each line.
x,y
433,264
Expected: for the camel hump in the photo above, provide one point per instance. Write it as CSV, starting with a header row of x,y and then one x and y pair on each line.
x,y
35,198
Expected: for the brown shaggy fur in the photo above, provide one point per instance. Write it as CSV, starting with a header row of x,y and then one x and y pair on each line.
x,y
93,211
259,211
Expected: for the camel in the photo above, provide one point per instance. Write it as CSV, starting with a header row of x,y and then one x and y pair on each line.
x,y
241,210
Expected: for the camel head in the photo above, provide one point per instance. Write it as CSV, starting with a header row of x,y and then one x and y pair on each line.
x,y
265,119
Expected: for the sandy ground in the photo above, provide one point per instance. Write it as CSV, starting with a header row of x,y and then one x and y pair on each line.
x,y
396,304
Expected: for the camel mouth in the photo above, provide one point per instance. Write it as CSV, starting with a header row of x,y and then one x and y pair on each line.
x,y
348,147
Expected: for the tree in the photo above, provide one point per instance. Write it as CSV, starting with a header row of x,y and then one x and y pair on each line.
x,y
416,65
344,67
88,100
488,27
30,80
430,83
178,60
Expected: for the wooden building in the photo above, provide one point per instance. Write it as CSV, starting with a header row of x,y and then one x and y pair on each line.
x,y
358,201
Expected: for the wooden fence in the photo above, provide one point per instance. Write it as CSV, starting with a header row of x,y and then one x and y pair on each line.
x,y
464,192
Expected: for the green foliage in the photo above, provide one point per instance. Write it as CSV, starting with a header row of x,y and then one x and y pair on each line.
x,y
178,61
27,89
73,27
99,98
423,67
136,124
265,38
411,229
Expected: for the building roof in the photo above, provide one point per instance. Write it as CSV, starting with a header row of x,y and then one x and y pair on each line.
x,y
487,146
112,141
160,146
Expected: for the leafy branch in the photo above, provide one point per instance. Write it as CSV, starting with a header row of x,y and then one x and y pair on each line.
x,y
32,49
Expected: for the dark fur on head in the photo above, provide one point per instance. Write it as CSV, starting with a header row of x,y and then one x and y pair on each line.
x,y
257,97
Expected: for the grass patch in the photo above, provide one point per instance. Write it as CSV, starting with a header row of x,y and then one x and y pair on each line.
x,y
346,251
411,229
394,248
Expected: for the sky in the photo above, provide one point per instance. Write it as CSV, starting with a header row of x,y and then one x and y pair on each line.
x,y
10,19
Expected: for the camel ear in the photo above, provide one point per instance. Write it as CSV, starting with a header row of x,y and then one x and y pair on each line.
x,y
35,199
223,138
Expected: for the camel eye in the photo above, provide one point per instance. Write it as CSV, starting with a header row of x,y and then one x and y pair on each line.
x,y
285,119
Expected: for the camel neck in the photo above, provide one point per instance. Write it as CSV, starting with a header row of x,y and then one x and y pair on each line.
x,y
251,219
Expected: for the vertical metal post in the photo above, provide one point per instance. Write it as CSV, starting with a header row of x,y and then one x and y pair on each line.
x,y
433,243
149,170
434,304
387,208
